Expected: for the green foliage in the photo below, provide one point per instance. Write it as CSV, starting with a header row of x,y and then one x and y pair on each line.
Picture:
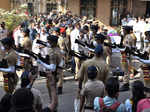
x,y
14,17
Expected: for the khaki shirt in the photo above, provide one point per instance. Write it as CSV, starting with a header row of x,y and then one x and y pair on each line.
x,y
55,57
27,44
68,31
134,39
107,52
91,90
61,43
11,58
100,63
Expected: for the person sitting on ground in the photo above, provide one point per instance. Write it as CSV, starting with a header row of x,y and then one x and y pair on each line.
x,y
109,102
23,101
92,89
137,95
5,103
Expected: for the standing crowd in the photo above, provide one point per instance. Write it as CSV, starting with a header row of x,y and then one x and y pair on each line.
x,y
48,45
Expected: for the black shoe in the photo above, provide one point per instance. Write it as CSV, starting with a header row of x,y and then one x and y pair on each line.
x,y
59,90
124,87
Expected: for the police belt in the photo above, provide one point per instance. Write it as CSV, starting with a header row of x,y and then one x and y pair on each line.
x,y
9,75
90,108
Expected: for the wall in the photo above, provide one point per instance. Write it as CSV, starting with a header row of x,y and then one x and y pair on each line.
x,y
104,11
139,8
5,4
74,6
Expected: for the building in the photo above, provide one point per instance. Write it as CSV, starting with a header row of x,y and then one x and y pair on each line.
x,y
5,4
109,12
38,6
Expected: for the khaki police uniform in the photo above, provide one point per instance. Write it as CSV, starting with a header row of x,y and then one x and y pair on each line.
x,y
107,54
125,63
146,70
107,51
91,90
10,79
27,44
55,58
102,67
63,48
26,62
134,39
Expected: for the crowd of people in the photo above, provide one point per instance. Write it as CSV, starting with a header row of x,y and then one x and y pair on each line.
x,y
48,45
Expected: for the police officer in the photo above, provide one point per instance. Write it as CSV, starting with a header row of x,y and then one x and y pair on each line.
x,y
126,61
62,51
55,62
74,46
9,70
99,39
93,88
26,61
146,62
97,61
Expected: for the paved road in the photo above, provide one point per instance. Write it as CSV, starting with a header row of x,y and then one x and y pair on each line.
x,y
66,101
69,91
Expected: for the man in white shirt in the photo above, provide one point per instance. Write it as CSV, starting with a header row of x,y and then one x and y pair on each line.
x,y
36,48
74,46
43,49
18,36
43,37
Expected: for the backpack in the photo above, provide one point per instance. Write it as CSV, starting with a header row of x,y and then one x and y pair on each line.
x,y
105,108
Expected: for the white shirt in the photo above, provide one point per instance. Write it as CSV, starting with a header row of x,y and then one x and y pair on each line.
x,y
73,36
36,50
43,37
35,47
18,37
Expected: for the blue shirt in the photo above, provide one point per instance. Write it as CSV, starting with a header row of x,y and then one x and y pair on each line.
x,y
108,102
128,105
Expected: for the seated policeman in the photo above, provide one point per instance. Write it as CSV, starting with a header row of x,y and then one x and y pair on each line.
x,y
92,89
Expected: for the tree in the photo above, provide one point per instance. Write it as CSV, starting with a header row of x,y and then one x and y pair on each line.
x,y
14,17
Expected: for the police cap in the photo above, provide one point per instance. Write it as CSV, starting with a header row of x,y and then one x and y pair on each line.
x,y
100,36
92,72
52,38
128,28
99,49
8,41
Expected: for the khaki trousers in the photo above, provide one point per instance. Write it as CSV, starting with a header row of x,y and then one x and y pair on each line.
x,y
77,62
60,79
